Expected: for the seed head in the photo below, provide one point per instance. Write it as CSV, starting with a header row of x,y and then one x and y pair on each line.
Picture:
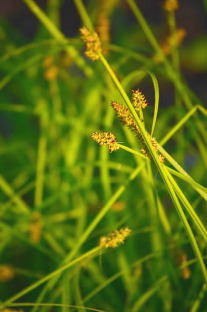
x,y
170,43
171,5
103,29
138,100
6,273
36,227
125,116
154,142
93,43
106,138
185,271
115,238
161,158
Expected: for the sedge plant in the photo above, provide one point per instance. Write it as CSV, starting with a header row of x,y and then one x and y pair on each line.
x,y
115,227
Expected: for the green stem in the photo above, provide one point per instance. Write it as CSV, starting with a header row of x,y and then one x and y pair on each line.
x,y
130,150
83,14
31,304
189,208
57,34
182,122
7,189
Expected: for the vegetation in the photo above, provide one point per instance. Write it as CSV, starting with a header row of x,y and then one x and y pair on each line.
x,y
114,226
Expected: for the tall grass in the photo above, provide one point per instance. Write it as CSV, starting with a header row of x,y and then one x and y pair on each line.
x,y
62,194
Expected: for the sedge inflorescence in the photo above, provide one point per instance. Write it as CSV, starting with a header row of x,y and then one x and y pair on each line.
x,y
93,43
124,114
115,238
170,43
6,273
138,100
171,5
106,138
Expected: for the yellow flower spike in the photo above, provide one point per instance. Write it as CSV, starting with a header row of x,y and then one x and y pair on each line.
x,y
154,143
36,227
106,138
138,100
185,271
125,116
103,29
169,43
6,273
115,238
93,43
171,5
51,73
161,158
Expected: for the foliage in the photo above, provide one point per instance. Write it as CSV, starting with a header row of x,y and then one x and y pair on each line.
x,y
65,200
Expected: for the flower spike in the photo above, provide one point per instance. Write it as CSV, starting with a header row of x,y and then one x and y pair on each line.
x,y
138,100
93,43
106,138
115,238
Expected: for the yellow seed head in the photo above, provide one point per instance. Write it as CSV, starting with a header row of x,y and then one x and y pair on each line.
x,y
51,73
11,310
185,272
103,29
6,273
106,138
36,227
48,61
115,238
93,43
171,5
138,100
125,116
161,158
170,43
154,142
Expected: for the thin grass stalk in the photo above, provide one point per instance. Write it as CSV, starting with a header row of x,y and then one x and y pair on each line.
x,y
41,157
198,301
56,33
8,190
189,208
90,253
83,14
169,69
92,226
182,122
31,304
199,225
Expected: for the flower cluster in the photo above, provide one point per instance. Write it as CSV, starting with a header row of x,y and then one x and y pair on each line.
x,y
127,119
103,29
185,270
50,69
6,273
93,43
138,100
115,238
161,158
106,138
125,116
35,228
170,42
171,5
